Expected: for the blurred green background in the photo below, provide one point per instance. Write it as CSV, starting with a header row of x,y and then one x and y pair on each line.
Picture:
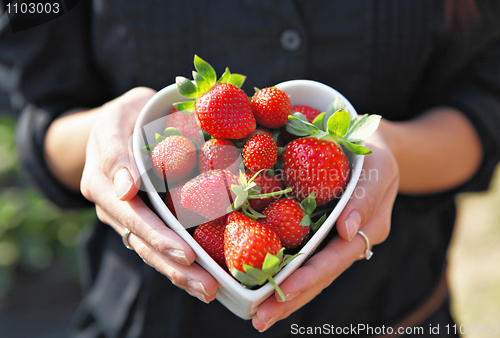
x,y
39,265
39,286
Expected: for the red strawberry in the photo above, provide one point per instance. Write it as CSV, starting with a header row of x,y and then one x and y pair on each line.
x,y
218,153
267,184
222,108
224,111
315,165
271,107
247,241
210,236
174,158
286,218
209,194
186,124
186,217
253,251
260,153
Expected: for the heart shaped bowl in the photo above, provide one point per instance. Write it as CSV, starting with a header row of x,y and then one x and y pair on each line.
x,y
242,301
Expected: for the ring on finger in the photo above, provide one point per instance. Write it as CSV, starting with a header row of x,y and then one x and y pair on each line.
x,y
368,253
125,239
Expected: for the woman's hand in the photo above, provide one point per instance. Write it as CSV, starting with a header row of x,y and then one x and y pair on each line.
x,y
111,180
369,209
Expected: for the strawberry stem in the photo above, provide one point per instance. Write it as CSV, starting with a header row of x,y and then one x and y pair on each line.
x,y
270,194
277,288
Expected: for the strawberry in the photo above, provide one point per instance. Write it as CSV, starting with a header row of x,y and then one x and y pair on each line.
x,y
222,109
291,220
317,163
260,153
186,124
253,251
173,158
312,165
271,107
186,217
218,153
267,184
209,194
210,236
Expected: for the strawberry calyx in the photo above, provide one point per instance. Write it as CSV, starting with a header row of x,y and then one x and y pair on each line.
x,y
336,125
270,267
170,131
248,189
309,206
204,78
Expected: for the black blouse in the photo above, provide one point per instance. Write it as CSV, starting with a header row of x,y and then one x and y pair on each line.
x,y
390,57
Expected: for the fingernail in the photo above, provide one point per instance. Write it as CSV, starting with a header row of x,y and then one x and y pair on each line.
x,y
352,224
197,289
178,255
122,182
289,296
198,295
197,286
271,321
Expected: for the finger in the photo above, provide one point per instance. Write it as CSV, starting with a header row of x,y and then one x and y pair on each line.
x,y
136,216
191,278
113,134
379,173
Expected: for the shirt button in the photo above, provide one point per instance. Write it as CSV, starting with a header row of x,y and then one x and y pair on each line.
x,y
290,40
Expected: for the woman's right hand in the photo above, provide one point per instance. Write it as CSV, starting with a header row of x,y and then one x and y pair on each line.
x,y
111,180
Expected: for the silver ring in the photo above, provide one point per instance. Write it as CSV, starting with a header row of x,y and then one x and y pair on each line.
x,y
368,253
125,239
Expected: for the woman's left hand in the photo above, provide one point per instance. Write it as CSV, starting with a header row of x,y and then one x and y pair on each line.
x,y
369,210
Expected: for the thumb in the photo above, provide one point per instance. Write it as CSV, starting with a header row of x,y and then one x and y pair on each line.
x,y
380,172
115,141
124,185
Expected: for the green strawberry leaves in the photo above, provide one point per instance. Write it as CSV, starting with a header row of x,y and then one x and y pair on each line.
x,y
205,70
363,128
170,131
186,87
309,205
204,78
248,189
336,124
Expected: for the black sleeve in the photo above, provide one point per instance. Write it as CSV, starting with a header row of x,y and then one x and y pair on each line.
x,y
476,92
48,70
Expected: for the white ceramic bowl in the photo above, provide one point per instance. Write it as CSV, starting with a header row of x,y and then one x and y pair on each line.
x,y
241,301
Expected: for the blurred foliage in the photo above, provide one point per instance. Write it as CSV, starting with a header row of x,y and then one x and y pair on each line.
x,y
34,233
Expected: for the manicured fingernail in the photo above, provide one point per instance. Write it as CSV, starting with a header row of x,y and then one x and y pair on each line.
x,y
198,295
122,182
197,289
197,286
289,296
178,255
352,224
271,321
